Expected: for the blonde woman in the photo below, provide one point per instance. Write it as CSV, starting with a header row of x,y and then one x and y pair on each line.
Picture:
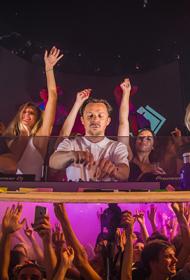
x,y
30,121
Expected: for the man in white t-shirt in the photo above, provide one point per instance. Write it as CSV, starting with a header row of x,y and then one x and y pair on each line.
x,y
93,156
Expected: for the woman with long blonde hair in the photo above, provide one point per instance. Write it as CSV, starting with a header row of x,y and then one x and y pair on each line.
x,y
30,121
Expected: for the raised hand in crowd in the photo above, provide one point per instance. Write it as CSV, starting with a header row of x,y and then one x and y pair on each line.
x,y
187,212
120,239
127,222
29,233
58,239
64,254
81,258
140,218
11,220
52,58
67,256
172,227
123,128
10,224
151,214
178,209
43,228
162,218
126,86
66,259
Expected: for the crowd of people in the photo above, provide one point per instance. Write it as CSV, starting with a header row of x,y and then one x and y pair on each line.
x,y
92,156
161,252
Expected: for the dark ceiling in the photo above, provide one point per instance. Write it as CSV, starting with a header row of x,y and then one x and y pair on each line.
x,y
99,36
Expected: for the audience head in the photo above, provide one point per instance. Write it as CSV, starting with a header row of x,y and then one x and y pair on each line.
x,y
144,141
157,236
28,271
95,116
17,259
137,237
159,257
137,251
21,248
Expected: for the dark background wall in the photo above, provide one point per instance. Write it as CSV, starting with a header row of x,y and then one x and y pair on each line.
x,y
22,81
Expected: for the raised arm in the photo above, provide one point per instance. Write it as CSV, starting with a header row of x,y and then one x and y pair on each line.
x,y
66,258
70,120
63,265
141,220
81,258
183,255
10,224
49,114
126,270
123,129
152,217
44,230
35,246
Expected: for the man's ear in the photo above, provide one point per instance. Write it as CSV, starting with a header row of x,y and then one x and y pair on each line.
x,y
108,121
82,120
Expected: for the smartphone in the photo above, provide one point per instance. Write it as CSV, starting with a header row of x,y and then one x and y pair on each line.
x,y
40,212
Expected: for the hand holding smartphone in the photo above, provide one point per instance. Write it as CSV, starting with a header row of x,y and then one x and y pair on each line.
x,y
40,213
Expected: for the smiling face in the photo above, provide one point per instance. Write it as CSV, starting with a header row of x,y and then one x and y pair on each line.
x,y
28,117
144,141
95,119
137,250
166,263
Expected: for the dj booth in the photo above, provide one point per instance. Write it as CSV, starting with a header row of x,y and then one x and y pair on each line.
x,y
89,192
80,186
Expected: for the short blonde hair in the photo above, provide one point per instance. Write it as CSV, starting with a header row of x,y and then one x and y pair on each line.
x,y
94,100
187,117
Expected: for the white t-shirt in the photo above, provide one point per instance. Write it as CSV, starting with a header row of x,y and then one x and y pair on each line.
x,y
114,151
31,161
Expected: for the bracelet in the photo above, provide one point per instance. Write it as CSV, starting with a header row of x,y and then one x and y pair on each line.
x,y
49,70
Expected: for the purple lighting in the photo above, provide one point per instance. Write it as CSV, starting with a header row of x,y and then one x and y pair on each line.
x,y
84,217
